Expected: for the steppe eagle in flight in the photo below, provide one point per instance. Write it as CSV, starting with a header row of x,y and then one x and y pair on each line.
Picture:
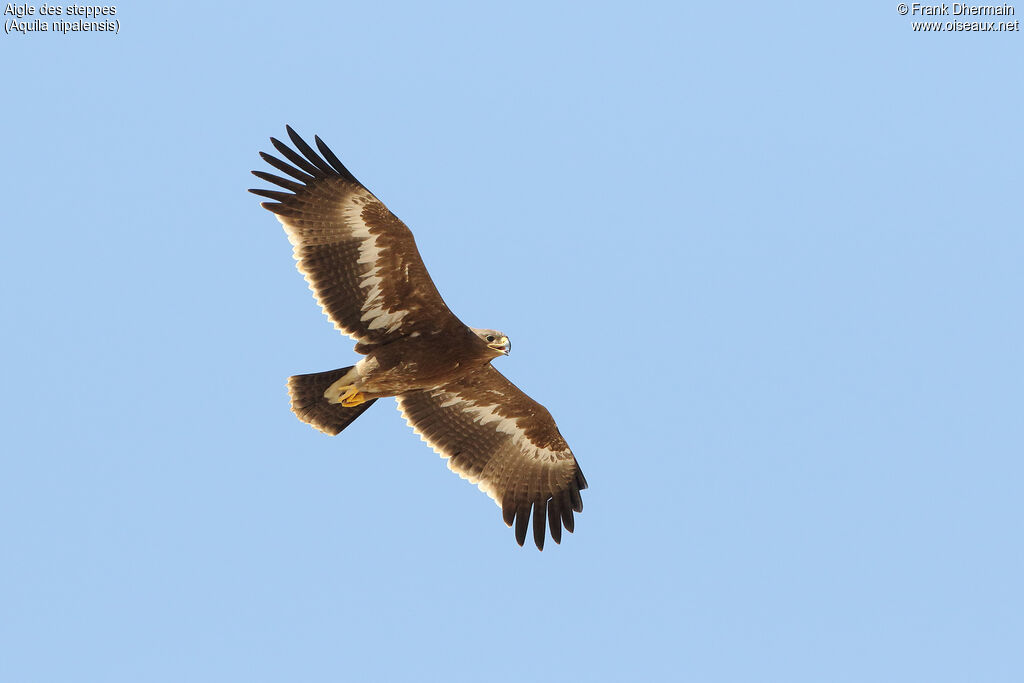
x,y
364,269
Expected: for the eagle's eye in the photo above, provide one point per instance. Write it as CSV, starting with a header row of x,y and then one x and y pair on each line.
x,y
490,337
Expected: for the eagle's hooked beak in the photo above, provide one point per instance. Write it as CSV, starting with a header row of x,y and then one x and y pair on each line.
x,y
503,345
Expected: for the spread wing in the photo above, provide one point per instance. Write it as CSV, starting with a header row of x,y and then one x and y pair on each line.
x,y
360,261
506,443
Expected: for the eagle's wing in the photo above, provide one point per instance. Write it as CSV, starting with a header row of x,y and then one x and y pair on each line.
x,y
360,261
506,443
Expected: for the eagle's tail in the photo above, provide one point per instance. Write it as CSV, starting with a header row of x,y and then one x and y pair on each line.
x,y
309,404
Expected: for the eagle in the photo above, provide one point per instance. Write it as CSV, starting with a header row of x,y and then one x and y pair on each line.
x,y
366,273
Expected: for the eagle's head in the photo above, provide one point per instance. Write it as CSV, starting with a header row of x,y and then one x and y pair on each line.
x,y
495,341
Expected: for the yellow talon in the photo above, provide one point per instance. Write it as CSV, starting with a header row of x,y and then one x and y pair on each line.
x,y
353,400
347,395
352,397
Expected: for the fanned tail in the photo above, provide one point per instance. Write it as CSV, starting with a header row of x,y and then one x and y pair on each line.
x,y
309,404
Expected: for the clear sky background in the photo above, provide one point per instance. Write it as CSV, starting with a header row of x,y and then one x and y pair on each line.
x,y
762,262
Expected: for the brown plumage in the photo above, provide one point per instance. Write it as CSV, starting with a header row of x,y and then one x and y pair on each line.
x,y
364,269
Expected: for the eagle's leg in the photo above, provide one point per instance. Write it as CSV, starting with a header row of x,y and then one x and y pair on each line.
x,y
347,395
352,397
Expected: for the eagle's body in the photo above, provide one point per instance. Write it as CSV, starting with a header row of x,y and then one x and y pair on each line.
x,y
363,267
425,361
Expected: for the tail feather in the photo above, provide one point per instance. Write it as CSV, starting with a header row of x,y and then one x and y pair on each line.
x,y
309,404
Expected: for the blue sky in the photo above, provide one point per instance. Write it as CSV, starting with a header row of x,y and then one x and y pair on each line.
x,y
761,262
